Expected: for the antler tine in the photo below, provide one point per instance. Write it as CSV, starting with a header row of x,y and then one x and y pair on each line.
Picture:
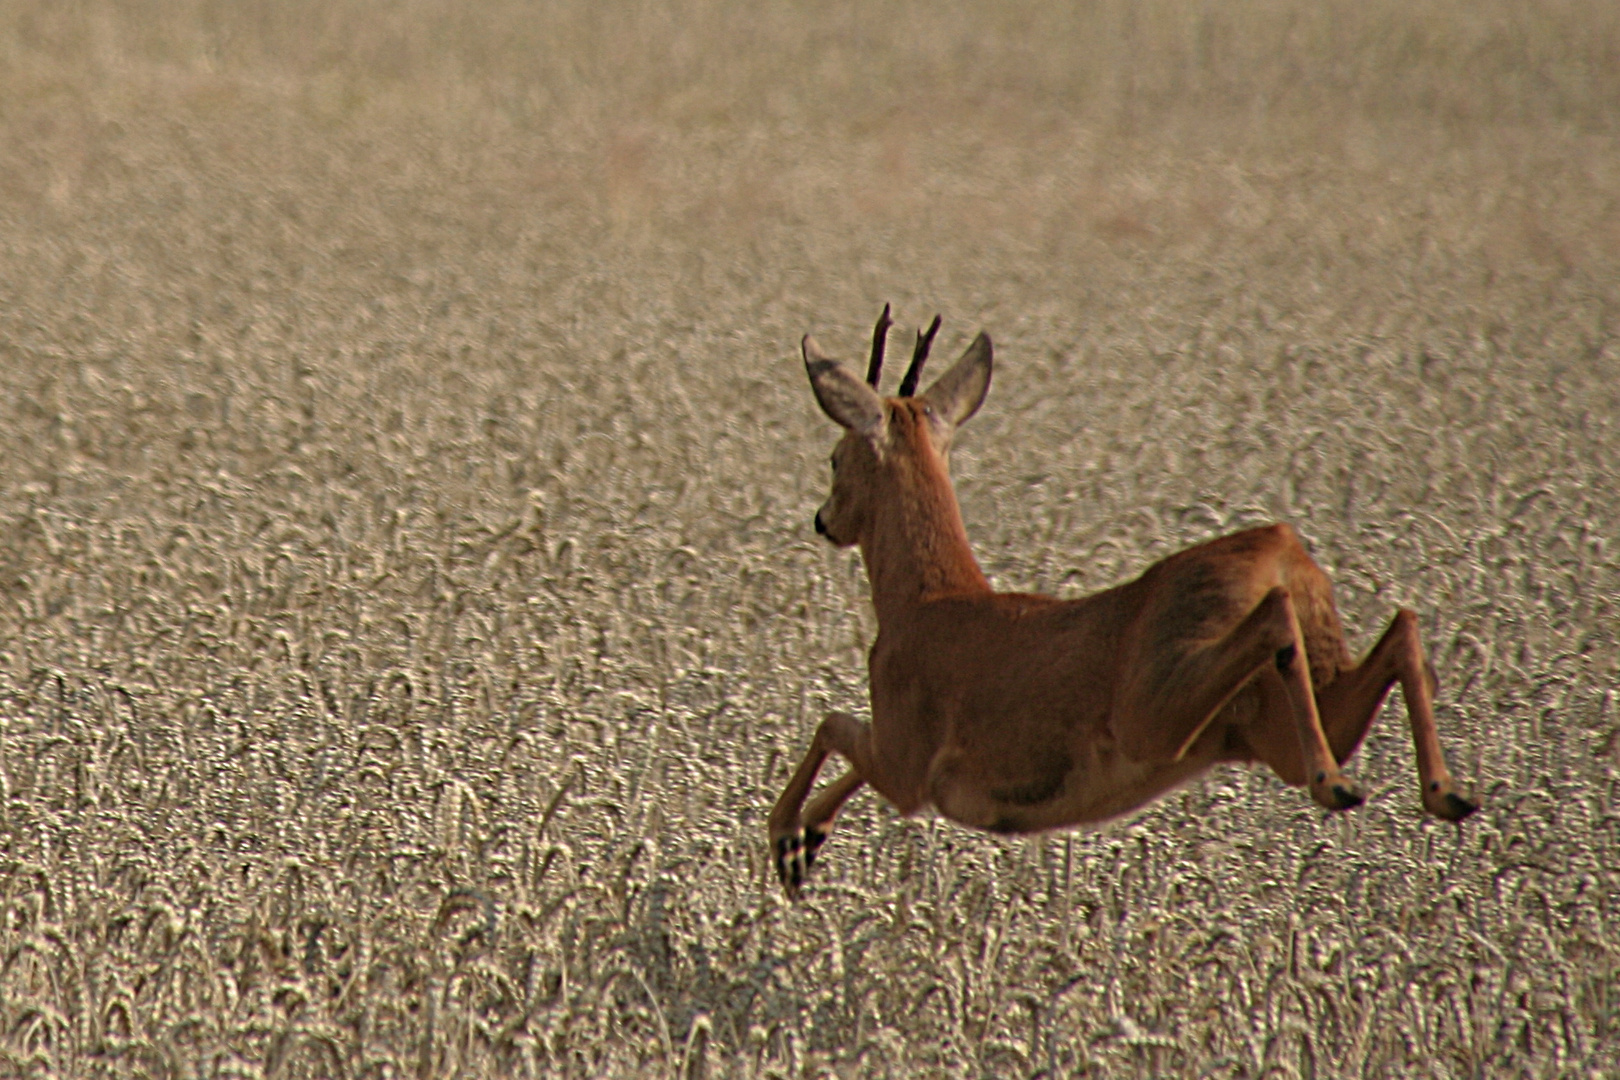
x,y
880,338
908,385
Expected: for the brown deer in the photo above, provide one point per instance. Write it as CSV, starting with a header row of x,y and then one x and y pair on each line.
x,y
1016,712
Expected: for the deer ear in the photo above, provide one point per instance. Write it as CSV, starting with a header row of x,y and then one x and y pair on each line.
x,y
959,392
842,396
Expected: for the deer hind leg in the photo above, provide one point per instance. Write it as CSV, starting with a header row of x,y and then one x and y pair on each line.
x,y
1166,712
793,841
1328,786
1351,702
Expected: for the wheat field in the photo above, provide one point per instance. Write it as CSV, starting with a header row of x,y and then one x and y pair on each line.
x,y
409,607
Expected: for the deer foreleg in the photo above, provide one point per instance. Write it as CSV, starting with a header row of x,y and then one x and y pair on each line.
x,y
795,842
820,814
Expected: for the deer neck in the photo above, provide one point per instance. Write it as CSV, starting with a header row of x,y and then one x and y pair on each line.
x,y
916,548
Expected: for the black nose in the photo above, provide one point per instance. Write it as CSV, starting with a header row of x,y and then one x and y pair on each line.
x,y
821,530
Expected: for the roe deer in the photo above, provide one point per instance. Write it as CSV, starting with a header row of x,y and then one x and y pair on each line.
x,y
1016,712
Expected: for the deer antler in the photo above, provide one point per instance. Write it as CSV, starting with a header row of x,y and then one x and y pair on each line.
x,y
919,356
880,338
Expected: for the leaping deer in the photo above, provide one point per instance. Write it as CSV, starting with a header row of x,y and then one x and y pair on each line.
x,y
1016,712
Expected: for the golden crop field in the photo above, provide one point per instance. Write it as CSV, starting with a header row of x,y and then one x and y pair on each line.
x,y
409,607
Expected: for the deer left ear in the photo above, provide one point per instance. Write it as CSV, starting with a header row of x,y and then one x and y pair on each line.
x,y
843,397
959,392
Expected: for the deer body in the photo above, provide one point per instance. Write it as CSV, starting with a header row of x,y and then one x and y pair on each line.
x,y
1016,712
1003,705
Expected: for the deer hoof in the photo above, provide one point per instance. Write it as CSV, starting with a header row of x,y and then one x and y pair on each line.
x,y
790,864
1337,793
795,855
1347,796
813,839
1447,805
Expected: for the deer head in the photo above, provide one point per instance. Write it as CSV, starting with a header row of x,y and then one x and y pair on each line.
x,y
891,445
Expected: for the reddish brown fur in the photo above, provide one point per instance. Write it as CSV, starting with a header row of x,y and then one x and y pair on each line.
x,y
1017,712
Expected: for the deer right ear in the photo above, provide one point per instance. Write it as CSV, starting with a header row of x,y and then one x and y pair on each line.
x,y
961,390
843,397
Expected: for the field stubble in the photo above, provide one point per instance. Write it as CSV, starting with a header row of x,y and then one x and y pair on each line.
x,y
410,609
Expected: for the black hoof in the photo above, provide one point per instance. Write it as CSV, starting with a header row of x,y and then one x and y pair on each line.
x,y
1455,807
1345,797
813,839
790,864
